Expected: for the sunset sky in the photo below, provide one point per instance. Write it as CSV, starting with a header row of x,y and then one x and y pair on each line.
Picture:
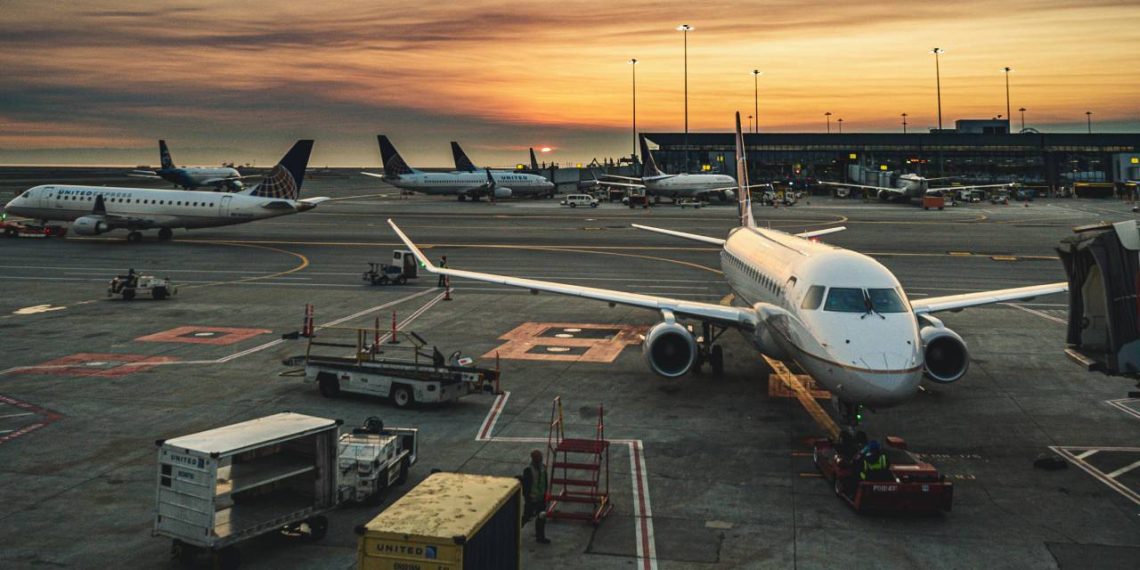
x,y
99,81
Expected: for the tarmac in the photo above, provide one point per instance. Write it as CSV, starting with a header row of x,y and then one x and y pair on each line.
x,y
705,472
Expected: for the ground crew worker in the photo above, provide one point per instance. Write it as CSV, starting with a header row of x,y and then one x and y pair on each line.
x,y
874,466
534,491
442,277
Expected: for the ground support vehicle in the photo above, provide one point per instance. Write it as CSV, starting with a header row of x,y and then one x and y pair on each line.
x,y
376,368
1001,197
933,202
575,200
25,229
372,459
450,521
909,485
402,268
132,285
219,487
690,203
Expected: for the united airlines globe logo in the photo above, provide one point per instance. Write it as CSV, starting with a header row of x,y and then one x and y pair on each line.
x,y
278,184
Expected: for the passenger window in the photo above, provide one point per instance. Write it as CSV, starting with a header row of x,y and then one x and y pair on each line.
x,y
845,300
814,298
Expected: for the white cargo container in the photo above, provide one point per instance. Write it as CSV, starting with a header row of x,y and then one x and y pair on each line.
x,y
225,485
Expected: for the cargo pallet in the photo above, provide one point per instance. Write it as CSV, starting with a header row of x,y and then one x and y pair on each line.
x,y
579,470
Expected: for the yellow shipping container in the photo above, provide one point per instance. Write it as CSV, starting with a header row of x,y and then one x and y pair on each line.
x,y
450,521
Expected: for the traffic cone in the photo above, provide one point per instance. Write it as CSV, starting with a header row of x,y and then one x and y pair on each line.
x,y
446,288
307,324
394,340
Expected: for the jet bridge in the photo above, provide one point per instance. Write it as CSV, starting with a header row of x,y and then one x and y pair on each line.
x,y
1103,265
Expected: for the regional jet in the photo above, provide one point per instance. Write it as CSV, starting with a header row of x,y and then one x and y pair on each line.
x,y
914,186
191,177
840,315
95,210
464,185
675,186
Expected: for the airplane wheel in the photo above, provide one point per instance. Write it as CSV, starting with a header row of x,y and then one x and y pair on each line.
x,y
716,359
165,233
462,198
134,237
402,396
128,294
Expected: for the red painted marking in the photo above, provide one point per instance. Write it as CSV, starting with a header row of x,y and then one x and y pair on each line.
x,y
634,448
80,365
490,421
46,417
224,335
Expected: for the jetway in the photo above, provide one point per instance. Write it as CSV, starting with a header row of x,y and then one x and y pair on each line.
x,y
1103,265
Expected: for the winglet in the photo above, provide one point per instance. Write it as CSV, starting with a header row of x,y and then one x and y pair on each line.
x,y
424,261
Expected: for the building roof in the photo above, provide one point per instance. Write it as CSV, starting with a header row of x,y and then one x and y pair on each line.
x,y
1101,142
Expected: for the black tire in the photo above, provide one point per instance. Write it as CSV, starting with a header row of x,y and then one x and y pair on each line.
x,y
402,396
462,198
403,478
401,280
573,205
158,293
134,237
318,527
383,280
128,294
165,234
227,558
11,232
716,359
328,385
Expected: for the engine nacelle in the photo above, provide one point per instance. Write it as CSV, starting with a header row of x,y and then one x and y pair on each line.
x,y
946,355
90,226
669,349
502,192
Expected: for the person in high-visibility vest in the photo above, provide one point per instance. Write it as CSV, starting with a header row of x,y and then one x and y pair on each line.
x,y
443,265
534,482
874,466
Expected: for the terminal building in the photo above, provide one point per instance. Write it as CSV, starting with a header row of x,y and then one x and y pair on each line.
x,y
975,152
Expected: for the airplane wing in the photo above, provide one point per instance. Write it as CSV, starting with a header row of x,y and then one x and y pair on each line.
x,y
722,314
1008,185
864,186
373,174
144,174
615,183
967,300
682,235
823,232
607,176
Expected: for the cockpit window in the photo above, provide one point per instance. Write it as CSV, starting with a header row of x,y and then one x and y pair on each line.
x,y
886,301
845,300
814,298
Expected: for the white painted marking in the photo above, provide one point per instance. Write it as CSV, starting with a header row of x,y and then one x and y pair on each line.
x,y
36,309
1096,473
1036,312
573,330
1088,453
1123,406
557,349
16,415
564,335
1123,470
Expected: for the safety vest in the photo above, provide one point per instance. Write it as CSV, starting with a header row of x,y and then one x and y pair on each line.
x,y
537,491
879,464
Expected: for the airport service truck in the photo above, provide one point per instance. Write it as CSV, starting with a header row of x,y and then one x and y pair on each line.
x,y
450,521
279,473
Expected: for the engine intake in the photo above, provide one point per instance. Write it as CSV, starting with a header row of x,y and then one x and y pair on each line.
x,y
501,192
669,349
89,226
946,355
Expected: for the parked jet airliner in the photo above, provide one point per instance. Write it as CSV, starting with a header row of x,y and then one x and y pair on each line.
x,y
657,183
840,315
464,185
191,177
94,210
913,186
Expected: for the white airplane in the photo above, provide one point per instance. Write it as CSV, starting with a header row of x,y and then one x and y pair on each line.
x,y
840,315
914,186
191,177
94,210
675,186
464,185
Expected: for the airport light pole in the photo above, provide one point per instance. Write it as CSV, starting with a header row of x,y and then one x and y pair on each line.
x,y
749,122
756,73
633,66
828,115
684,29
904,123
1008,114
1022,111
840,125
938,81
1088,117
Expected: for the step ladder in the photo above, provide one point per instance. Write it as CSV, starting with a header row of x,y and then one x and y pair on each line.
x,y
579,471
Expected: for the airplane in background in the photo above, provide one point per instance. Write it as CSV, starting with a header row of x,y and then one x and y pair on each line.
x,y
95,210
675,186
464,164
191,177
914,186
464,185
840,315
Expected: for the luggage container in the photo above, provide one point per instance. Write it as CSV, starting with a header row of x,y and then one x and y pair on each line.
x,y
450,521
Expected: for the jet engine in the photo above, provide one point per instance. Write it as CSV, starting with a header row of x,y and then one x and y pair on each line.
x,y
947,358
669,349
501,192
90,226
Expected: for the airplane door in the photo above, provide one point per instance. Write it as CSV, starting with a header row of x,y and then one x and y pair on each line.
x,y
224,209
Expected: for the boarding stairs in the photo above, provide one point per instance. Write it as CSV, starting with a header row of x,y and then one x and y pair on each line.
x,y
579,471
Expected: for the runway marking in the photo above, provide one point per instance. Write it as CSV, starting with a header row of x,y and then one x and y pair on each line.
x,y
219,336
93,364
37,309
1122,405
1106,478
44,418
1123,470
804,395
525,338
639,479
304,263
1045,316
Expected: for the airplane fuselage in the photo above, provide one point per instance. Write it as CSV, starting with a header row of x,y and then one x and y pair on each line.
x,y
688,185
160,208
455,183
193,177
874,358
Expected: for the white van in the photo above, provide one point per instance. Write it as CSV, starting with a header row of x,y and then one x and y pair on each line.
x,y
575,200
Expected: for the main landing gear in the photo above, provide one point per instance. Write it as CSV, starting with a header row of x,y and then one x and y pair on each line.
x,y
165,234
708,349
134,236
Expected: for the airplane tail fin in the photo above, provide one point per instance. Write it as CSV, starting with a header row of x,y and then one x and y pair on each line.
x,y
648,165
394,164
285,179
462,163
164,156
533,160
744,190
